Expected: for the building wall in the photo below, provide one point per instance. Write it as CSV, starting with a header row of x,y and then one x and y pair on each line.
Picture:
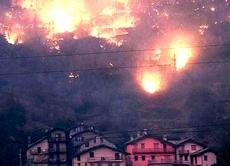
x,y
147,152
106,153
52,149
34,156
211,159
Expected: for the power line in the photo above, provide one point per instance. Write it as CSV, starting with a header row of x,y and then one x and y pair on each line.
x,y
182,128
161,132
171,132
111,52
108,68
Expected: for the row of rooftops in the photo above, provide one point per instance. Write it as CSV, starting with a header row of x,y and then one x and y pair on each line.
x,y
81,128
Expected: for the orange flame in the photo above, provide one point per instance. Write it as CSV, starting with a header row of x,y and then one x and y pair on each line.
x,y
14,35
181,54
107,19
151,82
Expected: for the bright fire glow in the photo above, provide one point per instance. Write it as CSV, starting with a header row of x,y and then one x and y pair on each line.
x,y
63,15
151,82
106,19
182,56
180,53
14,35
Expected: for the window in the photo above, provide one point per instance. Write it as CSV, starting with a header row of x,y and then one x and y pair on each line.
x,y
142,146
51,146
110,164
153,157
164,147
156,145
167,158
91,154
205,158
195,160
58,135
117,156
117,164
52,156
193,147
39,149
79,164
102,140
85,164
79,158
99,164
186,158
143,158
87,144
136,158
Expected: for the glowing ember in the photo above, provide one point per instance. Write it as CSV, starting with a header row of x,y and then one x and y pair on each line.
x,y
151,82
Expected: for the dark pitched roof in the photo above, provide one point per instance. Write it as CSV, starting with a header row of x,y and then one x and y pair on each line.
x,y
45,136
87,131
76,126
98,147
189,140
202,151
148,136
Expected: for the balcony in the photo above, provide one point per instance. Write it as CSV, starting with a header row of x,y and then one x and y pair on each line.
x,y
36,152
183,151
38,160
152,150
105,159
57,150
57,161
162,161
182,162
46,160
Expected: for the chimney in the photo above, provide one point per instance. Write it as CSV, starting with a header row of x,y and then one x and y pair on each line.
x,y
145,131
139,134
165,138
131,138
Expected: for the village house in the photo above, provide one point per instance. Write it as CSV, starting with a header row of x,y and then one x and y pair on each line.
x,y
81,134
204,157
50,150
192,153
99,152
149,150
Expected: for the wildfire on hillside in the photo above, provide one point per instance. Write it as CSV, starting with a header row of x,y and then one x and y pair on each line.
x,y
104,19
160,21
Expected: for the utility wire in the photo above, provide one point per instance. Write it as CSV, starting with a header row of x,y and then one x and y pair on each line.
x,y
112,52
107,68
227,124
171,132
